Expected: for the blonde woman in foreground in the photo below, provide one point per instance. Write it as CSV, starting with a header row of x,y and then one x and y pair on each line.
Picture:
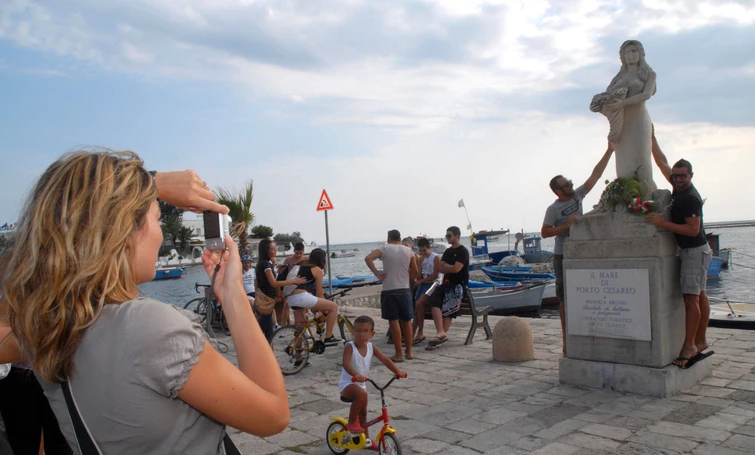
x,y
144,378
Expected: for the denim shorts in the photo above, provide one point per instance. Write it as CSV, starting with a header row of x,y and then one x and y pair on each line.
x,y
397,305
694,271
421,289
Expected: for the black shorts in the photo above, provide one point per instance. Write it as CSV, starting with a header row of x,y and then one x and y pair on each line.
x,y
558,268
438,295
397,305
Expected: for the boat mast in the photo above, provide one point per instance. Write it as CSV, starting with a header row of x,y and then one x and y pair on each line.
x,y
469,223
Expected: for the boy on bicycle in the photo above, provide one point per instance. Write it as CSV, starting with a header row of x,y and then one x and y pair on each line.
x,y
357,356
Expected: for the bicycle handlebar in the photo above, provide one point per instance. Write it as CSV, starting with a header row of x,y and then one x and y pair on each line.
x,y
353,379
338,294
197,286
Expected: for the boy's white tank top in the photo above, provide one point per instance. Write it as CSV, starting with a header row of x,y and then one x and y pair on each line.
x,y
428,266
359,363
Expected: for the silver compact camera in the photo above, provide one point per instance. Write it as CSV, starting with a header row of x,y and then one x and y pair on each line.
x,y
216,227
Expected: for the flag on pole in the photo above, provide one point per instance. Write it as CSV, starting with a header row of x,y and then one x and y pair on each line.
x,y
461,203
469,226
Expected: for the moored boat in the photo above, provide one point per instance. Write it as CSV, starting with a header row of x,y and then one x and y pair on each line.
x,y
501,273
168,273
343,254
524,300
731,315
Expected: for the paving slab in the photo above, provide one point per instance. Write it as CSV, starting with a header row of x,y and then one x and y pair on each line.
x,y
458,401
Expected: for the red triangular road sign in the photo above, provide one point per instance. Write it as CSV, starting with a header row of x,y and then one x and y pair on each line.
x,y
324,203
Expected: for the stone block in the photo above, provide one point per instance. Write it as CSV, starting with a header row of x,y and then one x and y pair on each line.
x,y
512,340
657,382
611,241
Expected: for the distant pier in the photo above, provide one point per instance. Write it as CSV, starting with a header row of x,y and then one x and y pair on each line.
x,y
729,224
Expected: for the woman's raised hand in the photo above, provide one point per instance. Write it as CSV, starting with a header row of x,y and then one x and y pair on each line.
x,y
186,190
228,280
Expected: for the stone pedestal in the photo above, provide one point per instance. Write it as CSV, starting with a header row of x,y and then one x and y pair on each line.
x,y
624,308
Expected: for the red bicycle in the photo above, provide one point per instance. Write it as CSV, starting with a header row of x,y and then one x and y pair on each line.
x,y
340,440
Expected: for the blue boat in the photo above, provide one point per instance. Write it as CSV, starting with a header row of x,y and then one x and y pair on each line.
x,y
481,254
168,273
533,252
475,284
714,268
501,273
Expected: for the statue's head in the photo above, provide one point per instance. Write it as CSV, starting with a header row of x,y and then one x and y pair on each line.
x,y
631,53
631,50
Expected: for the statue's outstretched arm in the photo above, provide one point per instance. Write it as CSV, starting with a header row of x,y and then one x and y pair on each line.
x,y
599,168
660,158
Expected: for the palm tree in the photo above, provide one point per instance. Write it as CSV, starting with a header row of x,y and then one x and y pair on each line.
x,y
240,205
183,236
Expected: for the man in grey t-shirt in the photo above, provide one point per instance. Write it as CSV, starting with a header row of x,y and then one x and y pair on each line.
x,y
559,218
396,303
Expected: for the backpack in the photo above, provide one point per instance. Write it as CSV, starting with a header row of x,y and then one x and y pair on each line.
x,y
293,272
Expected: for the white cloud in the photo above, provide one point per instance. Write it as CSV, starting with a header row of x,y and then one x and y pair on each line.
x,y
136,55
449,98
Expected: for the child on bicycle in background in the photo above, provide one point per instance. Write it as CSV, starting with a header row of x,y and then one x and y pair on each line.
x,y
357,356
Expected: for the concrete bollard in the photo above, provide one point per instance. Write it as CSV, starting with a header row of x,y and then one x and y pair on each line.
x,y
512,340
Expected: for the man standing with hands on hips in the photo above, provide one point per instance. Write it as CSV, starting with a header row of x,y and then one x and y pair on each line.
x,y
560,216
687,225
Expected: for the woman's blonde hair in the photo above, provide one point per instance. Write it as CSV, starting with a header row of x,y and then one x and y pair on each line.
x,y
73,253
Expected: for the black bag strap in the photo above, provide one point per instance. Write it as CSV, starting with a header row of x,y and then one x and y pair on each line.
x,y
85,440
230,447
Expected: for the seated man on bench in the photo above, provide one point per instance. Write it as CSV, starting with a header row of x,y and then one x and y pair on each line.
x,y
445,299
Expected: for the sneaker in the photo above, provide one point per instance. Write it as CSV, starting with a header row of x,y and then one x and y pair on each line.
x,y
332,340
371,444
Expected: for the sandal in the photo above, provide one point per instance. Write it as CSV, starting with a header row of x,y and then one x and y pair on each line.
x,y
438,341
418,341
432,347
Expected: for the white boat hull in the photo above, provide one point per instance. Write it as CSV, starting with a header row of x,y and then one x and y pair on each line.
x,y
527,300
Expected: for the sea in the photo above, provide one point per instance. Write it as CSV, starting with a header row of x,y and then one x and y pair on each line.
x,y
737,283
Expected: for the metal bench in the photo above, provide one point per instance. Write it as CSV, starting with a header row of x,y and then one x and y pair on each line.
x,y
468,307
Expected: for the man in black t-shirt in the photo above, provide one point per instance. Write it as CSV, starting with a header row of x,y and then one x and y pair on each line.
x,y
445,299
687,225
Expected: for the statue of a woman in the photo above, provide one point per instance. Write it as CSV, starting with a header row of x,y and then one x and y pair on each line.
x,y
623,103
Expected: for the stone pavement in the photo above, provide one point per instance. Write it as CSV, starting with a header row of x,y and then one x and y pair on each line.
x,y
458,401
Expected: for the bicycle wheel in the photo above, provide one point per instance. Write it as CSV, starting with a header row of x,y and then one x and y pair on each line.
x,y
287,345
335,427
198,306
223,323
389,445
346,328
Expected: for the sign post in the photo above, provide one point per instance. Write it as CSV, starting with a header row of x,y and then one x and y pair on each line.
x,y
323,206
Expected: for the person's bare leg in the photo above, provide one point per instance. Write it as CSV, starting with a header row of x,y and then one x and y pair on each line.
x,y
358,405
438,319
396,337
692,321
407,328
447,324
286,314
562,315
326,306
418,324
700,340
299,321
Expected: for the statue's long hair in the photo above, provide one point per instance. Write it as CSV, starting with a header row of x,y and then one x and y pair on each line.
x,y
643,69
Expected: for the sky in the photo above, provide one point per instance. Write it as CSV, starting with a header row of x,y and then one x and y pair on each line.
x,y
397,108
